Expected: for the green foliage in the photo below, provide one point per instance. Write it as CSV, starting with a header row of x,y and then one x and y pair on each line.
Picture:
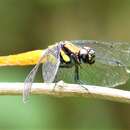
x,y
34,24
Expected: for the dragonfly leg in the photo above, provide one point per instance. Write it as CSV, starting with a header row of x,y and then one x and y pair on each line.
x,y
56,81
54,87
77,78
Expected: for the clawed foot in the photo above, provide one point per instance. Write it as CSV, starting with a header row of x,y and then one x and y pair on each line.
x,y
59,83
82,84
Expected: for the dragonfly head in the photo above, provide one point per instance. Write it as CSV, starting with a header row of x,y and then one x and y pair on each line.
x,y
87,55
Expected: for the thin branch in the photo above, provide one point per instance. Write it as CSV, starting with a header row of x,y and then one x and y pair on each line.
x,y
62,89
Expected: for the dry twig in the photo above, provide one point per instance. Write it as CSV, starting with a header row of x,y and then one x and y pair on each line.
x,y
63,89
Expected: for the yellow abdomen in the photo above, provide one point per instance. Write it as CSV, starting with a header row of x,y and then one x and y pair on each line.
x,y
27,58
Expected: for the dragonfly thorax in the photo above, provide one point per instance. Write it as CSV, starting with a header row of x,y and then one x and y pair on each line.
x,y
87,55
71,54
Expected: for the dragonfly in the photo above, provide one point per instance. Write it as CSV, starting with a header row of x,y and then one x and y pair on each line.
x,y
77,61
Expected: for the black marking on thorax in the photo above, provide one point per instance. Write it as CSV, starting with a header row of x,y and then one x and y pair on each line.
x,y
74,58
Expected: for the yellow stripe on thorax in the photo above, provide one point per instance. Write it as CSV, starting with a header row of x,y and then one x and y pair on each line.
x,y
74,49
27,58
65,57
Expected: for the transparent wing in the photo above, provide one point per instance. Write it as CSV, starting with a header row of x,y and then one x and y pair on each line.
x,y
30,78
95,74
51,63
50,67
104,75
110,69
112,53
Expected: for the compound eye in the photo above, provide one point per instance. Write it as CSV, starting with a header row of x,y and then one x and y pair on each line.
x,y
87,55
84,58
91,56
83,55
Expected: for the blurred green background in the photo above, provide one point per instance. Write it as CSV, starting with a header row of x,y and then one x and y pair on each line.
x,y
34,24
